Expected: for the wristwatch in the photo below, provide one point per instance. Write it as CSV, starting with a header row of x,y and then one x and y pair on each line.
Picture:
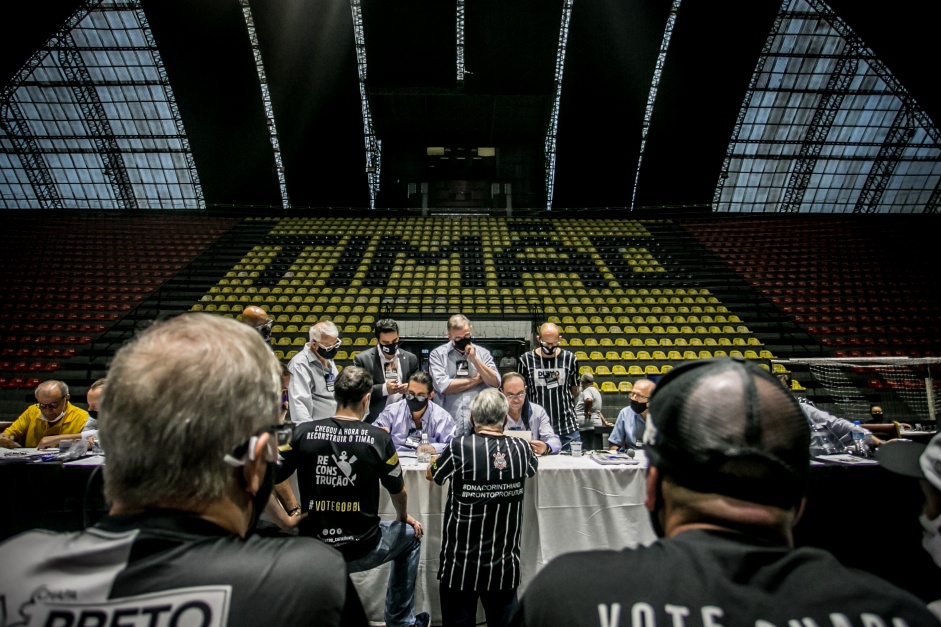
x,y
294,510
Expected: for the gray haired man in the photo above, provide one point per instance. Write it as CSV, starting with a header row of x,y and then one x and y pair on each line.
x,y
190,466
313,373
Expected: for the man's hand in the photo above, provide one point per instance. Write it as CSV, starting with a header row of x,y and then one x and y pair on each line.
x,y
49,441
471,353
429,473
7,442
394,387
426,447
539,447
419,530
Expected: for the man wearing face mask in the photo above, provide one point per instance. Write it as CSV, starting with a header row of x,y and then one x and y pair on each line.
x,y
923,462
341,462
728,467
257,318
461,370
389,366
52,415
313,373
523,415
551,375
90,430
415,415
629,428
186,478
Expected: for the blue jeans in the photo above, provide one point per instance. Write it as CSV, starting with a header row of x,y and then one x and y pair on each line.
x,y
398,545
568,438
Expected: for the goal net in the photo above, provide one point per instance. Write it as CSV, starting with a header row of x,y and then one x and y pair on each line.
x,y
905,388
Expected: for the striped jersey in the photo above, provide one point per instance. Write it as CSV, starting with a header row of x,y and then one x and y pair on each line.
x,y
483,517
549,382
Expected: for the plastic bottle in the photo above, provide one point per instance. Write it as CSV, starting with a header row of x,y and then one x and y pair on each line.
x,y
423,456
859,439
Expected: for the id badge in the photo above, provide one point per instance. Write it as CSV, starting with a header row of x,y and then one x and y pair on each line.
x,y
462,368
392,373
329,379
414,438
551,379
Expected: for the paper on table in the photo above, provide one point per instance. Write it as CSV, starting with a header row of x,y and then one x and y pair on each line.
x,y
848,459
525,435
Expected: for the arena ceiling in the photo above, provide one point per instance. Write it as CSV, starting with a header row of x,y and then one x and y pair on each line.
x,y
743,105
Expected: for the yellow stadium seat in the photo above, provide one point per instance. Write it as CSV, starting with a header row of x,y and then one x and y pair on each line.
x,y
659,356
581,355
736,354
590,341
674,355
341,356
603,371
585,370
628,356
705,355
665,369
612,356
635,371
608,387
575,341
651,370
750,354
596,356
766,354
690,355
643,356
619,371
719,353
625,387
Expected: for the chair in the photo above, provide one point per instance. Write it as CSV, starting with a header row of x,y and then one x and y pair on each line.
x,y
619,371
627,356
581,355
603,371
585,370
609,388
625,387
675,356
596,356
643,356
705,355
651,370
635,371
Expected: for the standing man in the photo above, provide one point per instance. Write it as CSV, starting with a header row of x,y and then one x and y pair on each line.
x,y
389,366
628,431
524,415
415,415
461,370
51,415
483,517
728,469
341,462
551,375
588,412
310,395
190,422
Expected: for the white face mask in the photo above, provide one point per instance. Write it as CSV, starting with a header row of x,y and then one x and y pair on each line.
x,y
54,420
931,541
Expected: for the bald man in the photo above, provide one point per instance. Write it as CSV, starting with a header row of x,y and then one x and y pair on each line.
x,y
551,375
257,318
52,414
629,429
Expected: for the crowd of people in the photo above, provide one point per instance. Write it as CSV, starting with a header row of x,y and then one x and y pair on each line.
x,y
314,446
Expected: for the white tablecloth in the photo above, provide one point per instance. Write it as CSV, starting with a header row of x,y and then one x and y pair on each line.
x,y
572,504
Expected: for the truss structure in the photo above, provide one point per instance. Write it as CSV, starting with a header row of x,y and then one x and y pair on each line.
x,y
553,130
373,145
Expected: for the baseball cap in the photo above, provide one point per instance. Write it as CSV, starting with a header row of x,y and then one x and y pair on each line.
x,y
727,426
913,459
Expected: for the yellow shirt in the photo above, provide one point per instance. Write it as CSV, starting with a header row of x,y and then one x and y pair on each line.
x,y
30,427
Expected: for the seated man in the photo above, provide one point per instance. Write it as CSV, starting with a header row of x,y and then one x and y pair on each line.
x,y
629,428
52,415
526,416
90,432
408,419
190,424
728,468
340,463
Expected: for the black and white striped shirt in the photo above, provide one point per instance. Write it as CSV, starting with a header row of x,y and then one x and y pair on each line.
x,y
549,382
483,518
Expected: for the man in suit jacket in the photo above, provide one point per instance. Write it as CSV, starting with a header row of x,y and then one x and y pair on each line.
x,y
389,365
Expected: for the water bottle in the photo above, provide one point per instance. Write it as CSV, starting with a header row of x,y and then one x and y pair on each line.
x,y
859,439
423,456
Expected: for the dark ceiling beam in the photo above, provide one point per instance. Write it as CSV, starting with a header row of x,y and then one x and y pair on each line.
x,y
208,58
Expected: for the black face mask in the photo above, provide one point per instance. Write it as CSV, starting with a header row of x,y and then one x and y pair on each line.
x,y
93,414
260,498
416,405
461,343
389,349
638,407
548,351
327,353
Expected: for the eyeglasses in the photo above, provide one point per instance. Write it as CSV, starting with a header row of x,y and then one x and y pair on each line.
x,y
54,405
517,395
421,398
282,435
330,348
639,397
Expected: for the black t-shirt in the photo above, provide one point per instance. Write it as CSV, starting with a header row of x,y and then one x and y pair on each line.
x,y
165,568
340,464
714,578
483,517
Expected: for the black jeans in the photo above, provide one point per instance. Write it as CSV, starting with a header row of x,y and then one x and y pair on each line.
x,y
459,607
